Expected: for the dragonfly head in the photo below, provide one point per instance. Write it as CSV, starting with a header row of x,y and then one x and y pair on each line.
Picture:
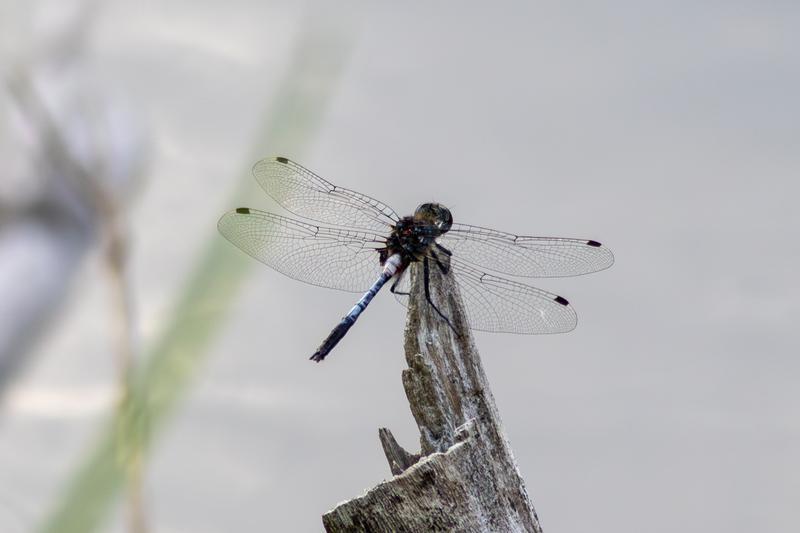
x,y
436,215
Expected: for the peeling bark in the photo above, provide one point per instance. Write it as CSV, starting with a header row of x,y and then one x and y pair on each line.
x,y
465,478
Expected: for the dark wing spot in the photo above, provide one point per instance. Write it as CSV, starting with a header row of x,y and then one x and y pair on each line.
x,y
243,210
593,243
281,160
562,301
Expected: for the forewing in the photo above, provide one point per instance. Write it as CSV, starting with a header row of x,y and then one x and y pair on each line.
x,y
524,256
327,257
303,193
500,305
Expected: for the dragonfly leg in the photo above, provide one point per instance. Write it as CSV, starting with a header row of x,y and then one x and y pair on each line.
x,y
444,250
444,265
427,283
393,288
442,262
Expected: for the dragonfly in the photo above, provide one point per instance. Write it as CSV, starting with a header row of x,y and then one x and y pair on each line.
x,y
353,242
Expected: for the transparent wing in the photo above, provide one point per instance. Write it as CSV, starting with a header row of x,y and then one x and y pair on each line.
x,y
327,257
500,305
303,193
515,255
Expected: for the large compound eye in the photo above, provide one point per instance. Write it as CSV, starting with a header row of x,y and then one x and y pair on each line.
x,y
435,214
444,218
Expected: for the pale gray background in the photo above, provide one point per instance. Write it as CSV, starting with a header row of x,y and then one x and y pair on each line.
x,y
667,130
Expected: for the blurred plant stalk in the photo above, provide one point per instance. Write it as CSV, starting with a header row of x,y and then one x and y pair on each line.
x,y
53,161
85,171
109,217
90,178
154,388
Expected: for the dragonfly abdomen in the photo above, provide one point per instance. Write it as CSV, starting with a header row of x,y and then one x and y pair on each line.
x,y
390,268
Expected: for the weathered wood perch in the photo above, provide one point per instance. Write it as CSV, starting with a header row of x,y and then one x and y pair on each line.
x,y
465,478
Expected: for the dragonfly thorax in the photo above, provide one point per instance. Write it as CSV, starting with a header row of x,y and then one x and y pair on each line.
x,y
413,235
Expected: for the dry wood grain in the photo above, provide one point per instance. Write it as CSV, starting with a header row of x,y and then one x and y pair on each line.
x,y
465,478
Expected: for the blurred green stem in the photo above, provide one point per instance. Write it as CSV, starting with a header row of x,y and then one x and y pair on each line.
x,y
171,363
117,265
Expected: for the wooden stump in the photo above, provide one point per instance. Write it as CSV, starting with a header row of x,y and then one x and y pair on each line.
x,y
465,477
